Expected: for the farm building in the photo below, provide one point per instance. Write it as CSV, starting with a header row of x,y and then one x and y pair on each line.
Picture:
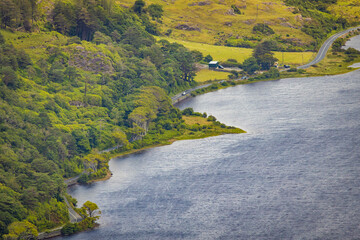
x,y
213,64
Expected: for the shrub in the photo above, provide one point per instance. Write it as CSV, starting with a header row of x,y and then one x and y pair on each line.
x,y
211,118
69,229
263,29
188,111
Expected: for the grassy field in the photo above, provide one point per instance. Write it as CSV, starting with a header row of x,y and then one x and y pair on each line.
x,y
222,53
191,120
205,75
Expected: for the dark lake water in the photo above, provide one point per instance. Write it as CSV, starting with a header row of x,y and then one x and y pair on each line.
x,y
294,175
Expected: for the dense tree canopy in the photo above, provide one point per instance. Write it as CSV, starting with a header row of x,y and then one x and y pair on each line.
x,y
61,103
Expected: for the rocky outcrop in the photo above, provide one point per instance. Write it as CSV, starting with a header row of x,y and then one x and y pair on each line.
x,y
203,3
187,28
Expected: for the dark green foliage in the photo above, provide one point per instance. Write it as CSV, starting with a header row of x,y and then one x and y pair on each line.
x,y
155,11
250,65
351,54
264,57
234,74
10,78
236,9
273,73
50,129
187,111
197,55
338,44
263,29
211,118
138,6
83,19
70,228
15,14
208,58
230,63
2,40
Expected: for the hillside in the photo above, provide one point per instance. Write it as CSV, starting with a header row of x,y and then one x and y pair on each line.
x,y
70,85
231,22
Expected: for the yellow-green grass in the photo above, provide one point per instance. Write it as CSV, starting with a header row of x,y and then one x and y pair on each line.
x,y
35,44
191,120
348,9
214,22
206,75
222,53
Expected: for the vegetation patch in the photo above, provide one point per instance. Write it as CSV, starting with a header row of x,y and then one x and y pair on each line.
x,y
205,75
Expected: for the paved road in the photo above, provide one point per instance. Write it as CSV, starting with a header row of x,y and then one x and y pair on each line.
x,y
325,47
71,181
185,94
74,216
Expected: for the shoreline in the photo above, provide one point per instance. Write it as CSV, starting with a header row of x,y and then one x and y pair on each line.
x,y
109,174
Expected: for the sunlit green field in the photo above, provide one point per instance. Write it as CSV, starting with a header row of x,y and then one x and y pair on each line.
x,y
206,75
222,53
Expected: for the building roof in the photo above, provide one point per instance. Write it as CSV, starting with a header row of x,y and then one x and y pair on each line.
x,y
213,62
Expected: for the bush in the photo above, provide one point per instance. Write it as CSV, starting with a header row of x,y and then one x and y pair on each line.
x,y
208,58
263,29
188,111
69,229
236,9
211,118
230,63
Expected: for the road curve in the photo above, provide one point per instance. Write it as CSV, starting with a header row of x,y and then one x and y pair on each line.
x,y
325,47
74,216
187,93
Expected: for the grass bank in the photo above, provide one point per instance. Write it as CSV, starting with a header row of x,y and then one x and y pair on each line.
x,y
197,126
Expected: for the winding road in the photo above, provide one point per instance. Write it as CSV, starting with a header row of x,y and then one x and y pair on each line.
x,y
325,47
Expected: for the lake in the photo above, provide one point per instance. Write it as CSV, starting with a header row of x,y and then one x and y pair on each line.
x,y
294,175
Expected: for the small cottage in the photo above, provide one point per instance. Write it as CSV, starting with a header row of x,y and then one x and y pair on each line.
x,y
213,65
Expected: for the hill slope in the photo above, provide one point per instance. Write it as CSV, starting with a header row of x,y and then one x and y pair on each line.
x,y
231,22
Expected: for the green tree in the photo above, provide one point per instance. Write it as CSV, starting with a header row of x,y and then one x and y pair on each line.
x,y
21,230
197,55
71,73
186,65
10,78
250,65
90,208
208,58
138,6
263,28
56,72
264,57
155,10
7,13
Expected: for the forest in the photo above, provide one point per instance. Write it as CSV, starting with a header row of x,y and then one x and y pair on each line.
x,y
93,78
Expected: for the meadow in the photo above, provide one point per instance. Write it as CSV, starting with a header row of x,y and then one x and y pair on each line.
x,y
207,75
222,53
